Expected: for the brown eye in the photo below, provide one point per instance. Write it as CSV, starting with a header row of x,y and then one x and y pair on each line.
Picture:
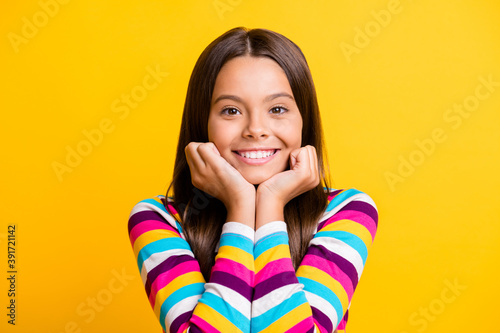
x,y
278,110
230,111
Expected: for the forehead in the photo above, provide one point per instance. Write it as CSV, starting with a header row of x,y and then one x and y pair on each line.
x,y
255,75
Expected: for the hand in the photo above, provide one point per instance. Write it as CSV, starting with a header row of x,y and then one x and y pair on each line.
x,y
211,173
302,177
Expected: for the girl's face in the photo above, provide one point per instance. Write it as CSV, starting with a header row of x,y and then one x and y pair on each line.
x,y
254,121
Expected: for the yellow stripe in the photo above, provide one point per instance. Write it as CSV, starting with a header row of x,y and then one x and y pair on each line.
x,y
150,237
326,280
290,319
214,318
174,285
176,216
274,253
352,227
158,200
236,254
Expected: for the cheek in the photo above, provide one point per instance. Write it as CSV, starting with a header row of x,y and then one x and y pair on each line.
x,y
298,134
221,135
290,132
211,126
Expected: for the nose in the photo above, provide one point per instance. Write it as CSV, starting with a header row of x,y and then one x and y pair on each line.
x,y
257,127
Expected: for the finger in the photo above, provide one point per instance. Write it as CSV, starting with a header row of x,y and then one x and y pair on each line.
x,y
312,159
210,155
305,163
308,163
293,159
215,149
298,158
314,164
192,156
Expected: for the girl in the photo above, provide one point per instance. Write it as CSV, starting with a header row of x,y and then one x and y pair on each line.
x,y
252,238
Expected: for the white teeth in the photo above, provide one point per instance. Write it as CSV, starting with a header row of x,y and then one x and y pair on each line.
x,y
257,153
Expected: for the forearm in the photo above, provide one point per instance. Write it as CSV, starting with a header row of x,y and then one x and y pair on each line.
x,y
226,302
279,304
242,211
267,209
174,284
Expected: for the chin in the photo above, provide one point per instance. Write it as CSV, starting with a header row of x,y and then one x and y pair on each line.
x,y
256,179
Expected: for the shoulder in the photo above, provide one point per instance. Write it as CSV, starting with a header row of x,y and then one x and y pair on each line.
x,y
338,198
341,200
155,208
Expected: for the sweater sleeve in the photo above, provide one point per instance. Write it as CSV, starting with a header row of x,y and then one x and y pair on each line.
x,y
317,296
175,287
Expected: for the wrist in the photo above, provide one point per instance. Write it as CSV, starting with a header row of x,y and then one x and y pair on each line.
x,y
268,208
264,194
242,210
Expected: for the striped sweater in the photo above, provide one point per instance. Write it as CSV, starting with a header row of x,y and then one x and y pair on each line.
x,y
253,286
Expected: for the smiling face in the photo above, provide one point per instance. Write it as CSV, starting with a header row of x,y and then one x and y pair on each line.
x,y
254,121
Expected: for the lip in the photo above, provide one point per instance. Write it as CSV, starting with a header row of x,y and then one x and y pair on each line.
x,y
255,161
257,148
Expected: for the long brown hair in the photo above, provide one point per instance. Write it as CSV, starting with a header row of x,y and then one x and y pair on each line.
x,y
203,216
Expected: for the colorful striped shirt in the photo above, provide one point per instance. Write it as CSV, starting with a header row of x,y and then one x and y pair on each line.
x,y
253,286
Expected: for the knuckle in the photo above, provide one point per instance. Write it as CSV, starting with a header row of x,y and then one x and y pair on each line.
x,y
195,181
190,147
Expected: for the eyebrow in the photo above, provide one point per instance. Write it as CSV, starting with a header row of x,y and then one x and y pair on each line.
x,y
267,99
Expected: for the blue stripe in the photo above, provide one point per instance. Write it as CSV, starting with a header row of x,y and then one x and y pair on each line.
x,y
238,241
350,239
156,204
179,227
323,292
161,245
339,198
163,209
225,309
268,242
270,316
178,295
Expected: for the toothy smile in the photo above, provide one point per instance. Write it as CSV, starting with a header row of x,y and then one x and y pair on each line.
x,y
256,154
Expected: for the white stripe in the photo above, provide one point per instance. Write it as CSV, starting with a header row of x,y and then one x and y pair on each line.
x,y
277,296
187,304
269,228
363,197
157,258
233,298
238,228
323,305
342,249
144,206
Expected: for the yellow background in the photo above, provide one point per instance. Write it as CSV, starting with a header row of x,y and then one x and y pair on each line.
x,y
439,222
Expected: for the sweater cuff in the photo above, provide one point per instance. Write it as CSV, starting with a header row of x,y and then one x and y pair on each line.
x,y
238,228
270,228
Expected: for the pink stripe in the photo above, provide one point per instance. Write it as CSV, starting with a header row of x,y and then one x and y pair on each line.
x,y
234,268
342,324
355,216
165,278
303,326
276,266
171,208
320,328
148,225
331,269
183,328
280,266
203,325
333,195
